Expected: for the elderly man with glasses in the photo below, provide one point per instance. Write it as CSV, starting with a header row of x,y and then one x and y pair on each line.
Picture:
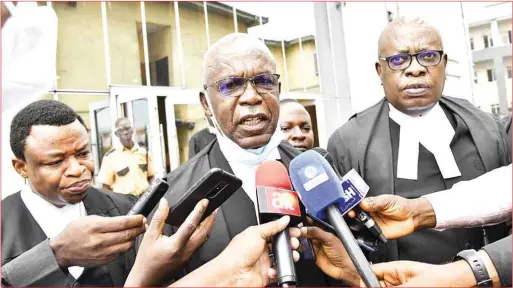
x,y
127,169
416,141
241,97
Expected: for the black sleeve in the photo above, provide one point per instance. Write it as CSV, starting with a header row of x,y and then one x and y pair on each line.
x,y
193,146
35,267
339,152
500,254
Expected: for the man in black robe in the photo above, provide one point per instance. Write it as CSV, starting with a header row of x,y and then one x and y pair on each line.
x,y
202,138
242,94
51,232
59,230
416,141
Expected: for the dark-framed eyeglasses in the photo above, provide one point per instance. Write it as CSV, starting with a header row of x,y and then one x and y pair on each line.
x,y
426,58
122,129
235,86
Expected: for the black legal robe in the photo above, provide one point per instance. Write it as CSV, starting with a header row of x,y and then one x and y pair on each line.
x,y
27,259
234,216
199,141
368,142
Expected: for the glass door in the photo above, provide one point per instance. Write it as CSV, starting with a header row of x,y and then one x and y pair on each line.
x,y
101,131
164,119
139,105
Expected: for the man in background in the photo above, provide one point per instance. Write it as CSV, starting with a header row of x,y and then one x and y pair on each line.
x,y
296,125
127,169
203,137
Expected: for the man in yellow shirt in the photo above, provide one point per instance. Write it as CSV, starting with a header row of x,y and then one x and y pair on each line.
x,y
127,169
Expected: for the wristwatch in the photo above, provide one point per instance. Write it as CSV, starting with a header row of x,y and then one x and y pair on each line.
x,y
477,265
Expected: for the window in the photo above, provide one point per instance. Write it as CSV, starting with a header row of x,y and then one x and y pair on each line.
x,y
390,16
316,67
472,43
506,37
491,75
496,110
488,41
508,71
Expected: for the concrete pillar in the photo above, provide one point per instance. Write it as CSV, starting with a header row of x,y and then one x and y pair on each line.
x,y
497,39
500,75
332,61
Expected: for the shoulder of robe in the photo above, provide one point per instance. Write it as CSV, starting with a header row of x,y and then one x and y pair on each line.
x,y
352,125
480,114
191,165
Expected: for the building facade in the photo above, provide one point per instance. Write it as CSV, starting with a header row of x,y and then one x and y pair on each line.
x,y
490,42
143,60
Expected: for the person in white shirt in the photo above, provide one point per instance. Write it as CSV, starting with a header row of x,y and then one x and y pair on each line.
x,y
483,201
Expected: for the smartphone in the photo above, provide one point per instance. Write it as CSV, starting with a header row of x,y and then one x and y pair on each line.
x,y
217,186
150,198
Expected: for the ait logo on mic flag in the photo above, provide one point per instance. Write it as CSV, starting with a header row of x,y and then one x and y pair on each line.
x,y
282,201
352,196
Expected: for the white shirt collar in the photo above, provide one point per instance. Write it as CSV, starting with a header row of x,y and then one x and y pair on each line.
x,y
52,219
247,173
244,162
434,131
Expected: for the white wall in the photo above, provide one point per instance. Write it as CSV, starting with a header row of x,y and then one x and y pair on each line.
x,y
363,24
477,33
485,92
12,182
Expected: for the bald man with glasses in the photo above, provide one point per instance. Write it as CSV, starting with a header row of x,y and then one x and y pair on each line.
x,y
417,141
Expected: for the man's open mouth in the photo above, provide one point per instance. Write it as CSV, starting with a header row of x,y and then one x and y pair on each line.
x,y
252,120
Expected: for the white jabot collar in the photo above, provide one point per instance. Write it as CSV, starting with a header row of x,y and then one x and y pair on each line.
x,y
434,131
244,162
52,219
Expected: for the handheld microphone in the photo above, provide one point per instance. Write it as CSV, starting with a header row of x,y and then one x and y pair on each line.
x,y
149,198
275,199
362,189
320,191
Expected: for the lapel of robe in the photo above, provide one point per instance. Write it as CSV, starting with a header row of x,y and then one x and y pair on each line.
x,y
238,210
375,149
96,203
21,232
484,130
375,155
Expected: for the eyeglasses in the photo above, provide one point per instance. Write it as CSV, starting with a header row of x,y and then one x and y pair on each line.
x,y
235,86
123,129
427,58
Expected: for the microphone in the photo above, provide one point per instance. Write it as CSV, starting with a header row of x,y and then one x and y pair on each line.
x,y
149,198
275,199
355,178
320,191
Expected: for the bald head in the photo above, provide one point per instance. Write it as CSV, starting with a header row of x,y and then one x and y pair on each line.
x,y
405,27
233,46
